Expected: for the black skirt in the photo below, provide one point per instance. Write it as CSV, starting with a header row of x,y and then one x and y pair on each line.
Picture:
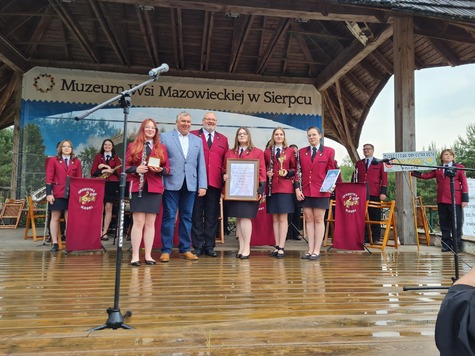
x,y
148,203
111,191
242,209
319,203
280,203
59,204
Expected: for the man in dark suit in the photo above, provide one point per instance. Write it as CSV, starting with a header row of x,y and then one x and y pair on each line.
x,y
187,179
205,220
371,172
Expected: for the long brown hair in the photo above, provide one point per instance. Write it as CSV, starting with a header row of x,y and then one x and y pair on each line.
x,y
271,141
59,151
250,146
138,145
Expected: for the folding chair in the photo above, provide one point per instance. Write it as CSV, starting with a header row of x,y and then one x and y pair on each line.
x,y
35,211
387,219
420,221
11,213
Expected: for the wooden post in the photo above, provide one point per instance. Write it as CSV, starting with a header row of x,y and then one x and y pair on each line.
x,y
404,119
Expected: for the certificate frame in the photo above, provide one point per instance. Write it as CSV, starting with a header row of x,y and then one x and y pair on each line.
x,y
243,179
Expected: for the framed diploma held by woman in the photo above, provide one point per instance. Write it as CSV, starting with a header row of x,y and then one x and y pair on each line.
x,y
243,179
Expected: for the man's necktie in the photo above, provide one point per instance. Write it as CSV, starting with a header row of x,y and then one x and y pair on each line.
x,y
240,152
108,158
148,149
210,142
277,154
314,153
367,163
66,160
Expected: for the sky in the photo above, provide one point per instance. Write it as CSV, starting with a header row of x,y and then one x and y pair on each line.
x,y
444,107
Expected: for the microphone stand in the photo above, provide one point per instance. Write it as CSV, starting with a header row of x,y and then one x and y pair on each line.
x,y
449,172
116,319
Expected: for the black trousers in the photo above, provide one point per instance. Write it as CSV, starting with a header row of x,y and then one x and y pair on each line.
x,y
205,219
375,215
445,222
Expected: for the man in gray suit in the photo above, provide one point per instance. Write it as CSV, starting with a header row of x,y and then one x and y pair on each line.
x,y
187,176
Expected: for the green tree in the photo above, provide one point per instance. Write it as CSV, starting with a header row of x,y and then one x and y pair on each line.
x,y
6,158
465,150
87,158
33,159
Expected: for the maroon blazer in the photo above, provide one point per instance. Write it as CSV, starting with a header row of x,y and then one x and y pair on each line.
x,y
443,185
113,162
57,173
313,173
255,153
375,177
214,157
153,179
281,184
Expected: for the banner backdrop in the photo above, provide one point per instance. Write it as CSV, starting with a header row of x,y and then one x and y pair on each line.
x,y
84,226
469,211
53,97
350,211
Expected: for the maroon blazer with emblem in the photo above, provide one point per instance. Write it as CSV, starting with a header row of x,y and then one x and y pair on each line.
x,y
113,162
313,173
443,185
214,157
375,177
153,179
57,173
281,184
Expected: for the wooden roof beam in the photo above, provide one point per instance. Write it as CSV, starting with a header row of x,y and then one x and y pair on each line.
x,y
12,57
303,9
445,52
145,34
7,93
39,31
206,40
152,37
362,89
349,57
284,24
303,45
105,23
240,33
74,27
383,61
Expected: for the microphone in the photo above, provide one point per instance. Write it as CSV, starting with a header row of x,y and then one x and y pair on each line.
x,y
376,161
156,71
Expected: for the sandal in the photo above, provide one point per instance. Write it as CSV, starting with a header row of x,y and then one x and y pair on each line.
x,y
314,257
306,256
280,252
274,253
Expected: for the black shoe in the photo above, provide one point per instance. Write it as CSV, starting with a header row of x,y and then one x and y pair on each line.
x,y
55,248
243,257
197,252
150,262
135,264
238,255
445,249
211,252
63,238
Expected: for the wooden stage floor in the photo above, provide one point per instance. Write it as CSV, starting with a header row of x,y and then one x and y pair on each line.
x,y
348,303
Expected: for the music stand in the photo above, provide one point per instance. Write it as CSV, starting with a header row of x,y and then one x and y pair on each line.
x,y
449,172
116,319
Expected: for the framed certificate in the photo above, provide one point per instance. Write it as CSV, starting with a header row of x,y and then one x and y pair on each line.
x,y
243,179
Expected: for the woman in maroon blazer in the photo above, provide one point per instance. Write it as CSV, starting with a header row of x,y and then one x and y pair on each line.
x,y
280,163
58,168
444,198
146,187
244,211
107,165
315,161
